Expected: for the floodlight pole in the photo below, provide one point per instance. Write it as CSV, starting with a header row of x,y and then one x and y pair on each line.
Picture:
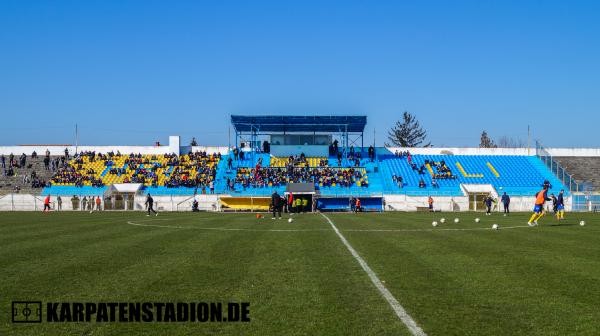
x,y
76,139
528,139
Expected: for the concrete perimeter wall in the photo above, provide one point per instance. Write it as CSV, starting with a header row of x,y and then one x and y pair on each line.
x,y
497,151
26,202
168,149
60,150
461,203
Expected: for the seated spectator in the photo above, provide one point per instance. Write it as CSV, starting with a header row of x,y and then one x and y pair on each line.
x,y
422,183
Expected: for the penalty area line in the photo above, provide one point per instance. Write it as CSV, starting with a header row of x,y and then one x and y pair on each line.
x,y
408,321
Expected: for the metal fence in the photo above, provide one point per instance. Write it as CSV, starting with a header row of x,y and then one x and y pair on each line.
x,y
558,170
586,202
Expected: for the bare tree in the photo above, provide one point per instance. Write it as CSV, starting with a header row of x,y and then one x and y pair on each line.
x,y
508,142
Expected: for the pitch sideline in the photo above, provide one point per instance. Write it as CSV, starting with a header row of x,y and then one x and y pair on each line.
x,y
396,306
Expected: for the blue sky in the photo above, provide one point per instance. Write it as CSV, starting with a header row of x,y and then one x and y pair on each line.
x,y
133,72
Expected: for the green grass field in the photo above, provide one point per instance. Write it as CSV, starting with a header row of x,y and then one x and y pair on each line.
x,y
300,279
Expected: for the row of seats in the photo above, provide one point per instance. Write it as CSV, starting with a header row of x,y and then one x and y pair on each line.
x,y
310,162
521,174
164,174
150,170
325,177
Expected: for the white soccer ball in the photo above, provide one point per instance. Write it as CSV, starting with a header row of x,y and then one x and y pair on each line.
x,y
91,211
443,220
495,227
477,220
434,223
456,220
582,223
290,220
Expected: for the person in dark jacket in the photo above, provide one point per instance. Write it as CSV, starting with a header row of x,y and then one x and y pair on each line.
x,y
554,200
506,202
150,205
276,204
488,204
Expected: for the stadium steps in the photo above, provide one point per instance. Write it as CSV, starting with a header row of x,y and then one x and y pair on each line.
x,y
7,183
582,169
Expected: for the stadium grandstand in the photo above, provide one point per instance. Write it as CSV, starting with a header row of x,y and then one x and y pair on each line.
x,y
276,153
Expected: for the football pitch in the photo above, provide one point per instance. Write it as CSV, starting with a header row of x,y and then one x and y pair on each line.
x,y
339,274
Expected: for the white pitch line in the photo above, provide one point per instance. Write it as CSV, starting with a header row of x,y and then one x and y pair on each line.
x,y
429,230
221,229
396,306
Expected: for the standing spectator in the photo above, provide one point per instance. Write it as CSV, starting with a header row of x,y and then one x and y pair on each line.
x,y
506,202
275,204
430,202
211,185
357,207
75,202
193,143
84,203
59,202
371,153
98,203
283,203
229,163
